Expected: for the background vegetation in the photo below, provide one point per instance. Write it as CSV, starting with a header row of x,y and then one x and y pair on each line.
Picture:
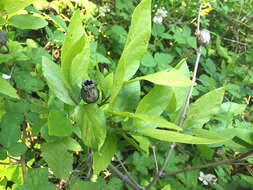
x,y
41,145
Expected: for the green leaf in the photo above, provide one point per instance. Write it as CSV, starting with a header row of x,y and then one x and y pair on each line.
x,y
168,77
7,89
10,129
58,159
148,60
128,97
71,144
75,53
161,122
163,60
102,159
27,82
155,102
167,187
58,124
92,122
143,143
170,136
203,109
135,47
12,6
17,149
26,21
231,107
51,72
37,178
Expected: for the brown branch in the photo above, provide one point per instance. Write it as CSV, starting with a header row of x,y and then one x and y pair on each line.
x,y
153,182
241,157
23,163
126,171
125,178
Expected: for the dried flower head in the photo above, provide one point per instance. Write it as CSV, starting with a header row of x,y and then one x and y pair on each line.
x,y
89,91
203,37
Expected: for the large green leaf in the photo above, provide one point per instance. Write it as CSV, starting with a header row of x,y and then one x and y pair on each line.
x,y
166,77
171,136
26,21
37,178
12,6
58,159
75,53
155,102
128,97
135,47
7,89
161,122
10,129
103,158
58,124
203,109
92,122
51,72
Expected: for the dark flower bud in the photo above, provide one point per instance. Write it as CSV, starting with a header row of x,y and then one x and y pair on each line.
x,y
203,37
89,91
3,41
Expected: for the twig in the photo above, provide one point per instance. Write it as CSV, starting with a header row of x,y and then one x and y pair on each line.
x,y
232,161
154,154
153,182
23,163
124,168
10,163
90,160
125,178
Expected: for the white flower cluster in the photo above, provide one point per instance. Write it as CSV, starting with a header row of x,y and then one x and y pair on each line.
x,y
160,14
103,10
207,178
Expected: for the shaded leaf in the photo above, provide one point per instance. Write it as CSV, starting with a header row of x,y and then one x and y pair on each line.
x,y
58,124
26,21
52,73
92,122
37,178
58,159
102,159
203,109
7,89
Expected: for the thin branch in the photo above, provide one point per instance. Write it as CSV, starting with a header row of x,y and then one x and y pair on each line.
x,y
126,171
197,168
10,163
198,21
154,154
23,163
125,178
241,157
153,182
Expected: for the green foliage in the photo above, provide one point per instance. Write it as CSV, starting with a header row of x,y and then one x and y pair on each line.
x,y
141,68
36,179
58,159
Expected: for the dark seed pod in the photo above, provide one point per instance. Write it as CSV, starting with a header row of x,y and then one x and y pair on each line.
x,y
203,37
89,91
3,42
